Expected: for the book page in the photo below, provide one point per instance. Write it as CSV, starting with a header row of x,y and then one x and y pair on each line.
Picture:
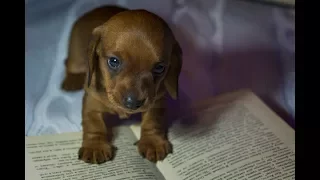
x,y
52,157
237,138
30,171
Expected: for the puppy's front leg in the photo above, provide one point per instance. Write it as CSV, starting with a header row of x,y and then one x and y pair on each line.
x,y
153,143
96,143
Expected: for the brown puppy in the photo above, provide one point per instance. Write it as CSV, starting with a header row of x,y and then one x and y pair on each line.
x,y
132,59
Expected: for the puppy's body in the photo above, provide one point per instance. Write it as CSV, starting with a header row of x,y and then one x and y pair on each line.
x,y
125,60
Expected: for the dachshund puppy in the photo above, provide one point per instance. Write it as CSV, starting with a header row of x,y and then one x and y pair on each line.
x,y
126,61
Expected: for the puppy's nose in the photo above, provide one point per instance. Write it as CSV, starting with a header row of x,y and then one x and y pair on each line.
x,y
132,102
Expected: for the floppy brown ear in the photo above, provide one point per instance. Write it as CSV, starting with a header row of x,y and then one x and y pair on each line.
x,y
92,52
171,81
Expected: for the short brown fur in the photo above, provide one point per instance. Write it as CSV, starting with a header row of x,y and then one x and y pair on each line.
x,y
140,39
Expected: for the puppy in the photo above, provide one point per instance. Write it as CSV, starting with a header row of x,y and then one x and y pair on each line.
x,y
126,61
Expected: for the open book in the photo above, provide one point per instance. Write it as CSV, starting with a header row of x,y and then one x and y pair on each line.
x,y
236,137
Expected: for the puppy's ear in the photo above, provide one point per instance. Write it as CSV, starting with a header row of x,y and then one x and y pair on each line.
x,y
171,80
92,52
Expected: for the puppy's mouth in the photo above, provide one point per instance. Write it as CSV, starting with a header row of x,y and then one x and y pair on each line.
x,y
130,105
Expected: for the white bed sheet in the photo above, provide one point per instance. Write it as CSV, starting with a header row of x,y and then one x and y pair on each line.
x,y
227,45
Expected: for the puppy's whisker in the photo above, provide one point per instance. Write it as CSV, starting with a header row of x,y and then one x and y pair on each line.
x,y
110,91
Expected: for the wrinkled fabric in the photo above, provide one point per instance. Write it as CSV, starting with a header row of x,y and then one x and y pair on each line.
x,y
226,45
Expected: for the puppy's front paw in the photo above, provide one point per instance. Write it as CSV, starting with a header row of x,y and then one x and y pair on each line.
x,y
154,148
97,154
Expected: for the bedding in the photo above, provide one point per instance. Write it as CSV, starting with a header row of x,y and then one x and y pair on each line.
x,y
227,45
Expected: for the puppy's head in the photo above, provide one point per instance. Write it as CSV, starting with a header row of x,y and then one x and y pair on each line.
x,y
134,58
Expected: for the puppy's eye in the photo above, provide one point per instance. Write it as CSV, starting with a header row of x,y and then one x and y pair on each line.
x,y
159,69
114,63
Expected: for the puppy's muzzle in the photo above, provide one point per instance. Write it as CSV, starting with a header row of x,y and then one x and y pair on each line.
x,y
132,102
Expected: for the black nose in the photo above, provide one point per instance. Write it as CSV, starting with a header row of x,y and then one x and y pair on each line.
x,y
131,102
